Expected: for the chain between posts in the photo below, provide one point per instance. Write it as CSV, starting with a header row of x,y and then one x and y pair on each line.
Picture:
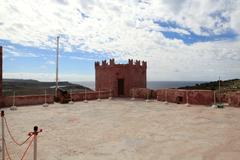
x,y
33,134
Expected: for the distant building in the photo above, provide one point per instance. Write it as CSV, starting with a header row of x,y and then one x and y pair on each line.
x,y
120,78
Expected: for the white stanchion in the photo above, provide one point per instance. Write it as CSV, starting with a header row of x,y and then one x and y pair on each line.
x,y
110,95
13,107
166,97
85,99
45,99
71,99
133,95
99,95
147,100
214,100
156,99
187,104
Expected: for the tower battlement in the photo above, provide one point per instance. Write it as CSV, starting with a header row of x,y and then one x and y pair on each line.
x,y
112,63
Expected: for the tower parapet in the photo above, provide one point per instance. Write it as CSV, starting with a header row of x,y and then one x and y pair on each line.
x,y
112,63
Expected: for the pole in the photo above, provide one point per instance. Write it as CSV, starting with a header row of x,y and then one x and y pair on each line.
x,y
166,101
133,93
166,95
3,139
110,94
214,97
85,96
14,98
219,83
45,96
147,100
99,94
187,99
35,132
71,98
57,66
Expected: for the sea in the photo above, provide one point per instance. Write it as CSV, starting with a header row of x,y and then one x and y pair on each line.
x,y
151,84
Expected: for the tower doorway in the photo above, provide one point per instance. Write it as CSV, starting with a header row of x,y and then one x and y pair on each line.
x,y
120,87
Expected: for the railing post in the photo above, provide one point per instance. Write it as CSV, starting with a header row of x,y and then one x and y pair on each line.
x,y
71,99
3,138
85,96
45,99
156,99
147,100
187,104
99,99
214,100
133,95
13,107
110,95
35,133
166,96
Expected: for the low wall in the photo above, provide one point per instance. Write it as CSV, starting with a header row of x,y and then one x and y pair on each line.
x,y
80,96
202,97
27,100
142,93
40,99
234,99
199,97
223,98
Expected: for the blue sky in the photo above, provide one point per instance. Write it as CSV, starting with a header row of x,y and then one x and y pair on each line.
x,y
188,40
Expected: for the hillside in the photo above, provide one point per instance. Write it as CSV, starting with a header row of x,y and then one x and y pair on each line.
x,y
34,87
227,85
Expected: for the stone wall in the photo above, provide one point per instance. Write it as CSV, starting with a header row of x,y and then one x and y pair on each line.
x,y
108,76
223,97
202,97
80,96
198,97
180,96
27,100
142,93
234,99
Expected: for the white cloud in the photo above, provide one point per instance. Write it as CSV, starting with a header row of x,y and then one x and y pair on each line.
x,y
51,62
126,29
12,52
81,58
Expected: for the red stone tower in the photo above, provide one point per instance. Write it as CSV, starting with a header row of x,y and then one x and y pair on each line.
x,y
120,78
1,56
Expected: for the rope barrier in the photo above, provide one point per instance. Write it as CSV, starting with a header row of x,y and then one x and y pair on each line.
x,y
13,139
7,151
25,152
30,134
